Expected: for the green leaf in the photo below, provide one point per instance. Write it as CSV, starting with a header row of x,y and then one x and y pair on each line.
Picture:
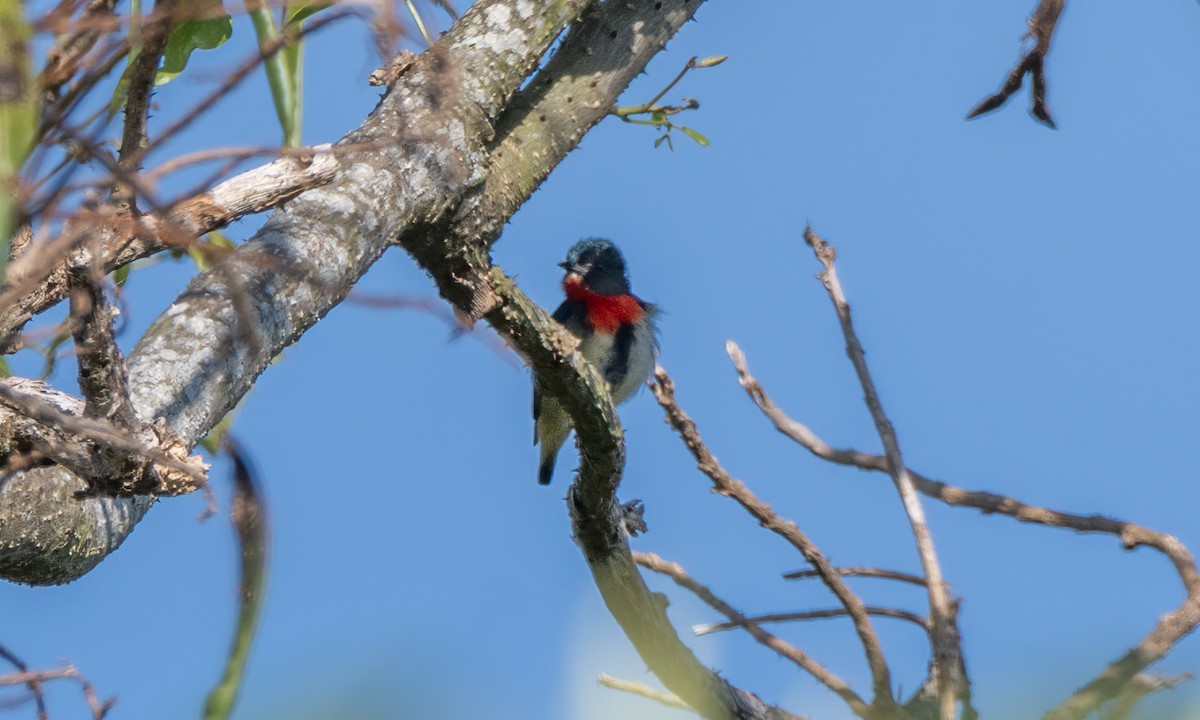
x,y
18,114
282,72
209,29
5,368
658,117
249,517
121,275
700,139
661,139
297,12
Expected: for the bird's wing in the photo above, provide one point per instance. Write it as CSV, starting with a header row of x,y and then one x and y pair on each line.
x,y
570,315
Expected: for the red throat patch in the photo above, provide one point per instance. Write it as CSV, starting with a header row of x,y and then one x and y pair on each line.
x,y
605,313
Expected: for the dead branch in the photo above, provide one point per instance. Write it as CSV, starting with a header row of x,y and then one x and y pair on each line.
x,y
1169,630
38,280
946,652
858,571
650,561
1033,63
725,484
36,678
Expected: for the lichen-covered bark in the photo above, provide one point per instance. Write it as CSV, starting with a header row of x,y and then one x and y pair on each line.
x,y
415,156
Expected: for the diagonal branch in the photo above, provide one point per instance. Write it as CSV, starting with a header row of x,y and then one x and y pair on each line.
x,y
650,561
946,652
634,687
727,485
823,614
858,571
1033,63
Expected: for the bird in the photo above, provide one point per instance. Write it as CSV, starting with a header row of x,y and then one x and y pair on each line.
x,y
617,335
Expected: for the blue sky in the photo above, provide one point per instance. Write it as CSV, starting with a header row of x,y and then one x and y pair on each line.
x,y
1027,298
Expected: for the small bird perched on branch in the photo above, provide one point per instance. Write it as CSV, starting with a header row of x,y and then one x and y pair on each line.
x,y
616,332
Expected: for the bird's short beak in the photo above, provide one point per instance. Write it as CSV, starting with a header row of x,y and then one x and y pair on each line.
x,y
566,266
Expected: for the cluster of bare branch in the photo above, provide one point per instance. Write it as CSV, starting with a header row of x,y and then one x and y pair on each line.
x,y
1117,688
34,680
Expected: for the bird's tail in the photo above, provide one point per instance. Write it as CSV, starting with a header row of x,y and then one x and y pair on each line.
x,y
553,427
546,469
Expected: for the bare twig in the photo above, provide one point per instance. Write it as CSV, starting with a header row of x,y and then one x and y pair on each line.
x,y
860,572
662,697
1033,63
946,652
35,678
1170,628
725,484
823,614
650,561
69,48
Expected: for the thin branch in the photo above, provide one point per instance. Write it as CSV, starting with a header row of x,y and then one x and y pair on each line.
x,y
35,678
1033,63
1169,630
725,484
946,652
650,561
35,686
63,58
824,614
860,572
634,687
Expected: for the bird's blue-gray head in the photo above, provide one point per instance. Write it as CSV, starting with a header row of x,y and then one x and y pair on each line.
x,y
599,265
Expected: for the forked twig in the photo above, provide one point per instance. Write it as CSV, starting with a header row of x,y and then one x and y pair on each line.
x,y
946,651
727,485
1033,63
1168,631
650,561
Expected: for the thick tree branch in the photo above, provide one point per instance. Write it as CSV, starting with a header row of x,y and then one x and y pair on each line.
x,y
195,362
